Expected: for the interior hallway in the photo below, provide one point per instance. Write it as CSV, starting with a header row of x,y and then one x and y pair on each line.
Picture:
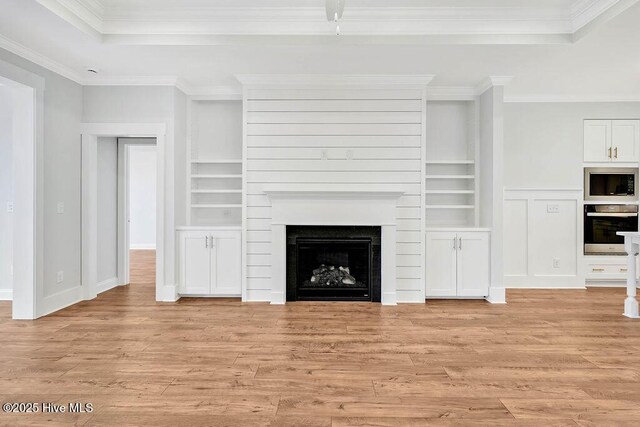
x,y
563,356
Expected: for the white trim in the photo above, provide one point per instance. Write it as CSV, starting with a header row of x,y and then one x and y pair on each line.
x,y
573,98
492,81
122,20
106,285
90,132
143,246
6,294
28,243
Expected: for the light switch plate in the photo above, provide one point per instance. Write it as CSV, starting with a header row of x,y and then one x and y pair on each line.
x,y
553,208
60,207
556,263
60,277
10,207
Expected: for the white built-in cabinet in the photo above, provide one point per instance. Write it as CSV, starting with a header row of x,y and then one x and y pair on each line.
x,y
210,261
457,264
611,140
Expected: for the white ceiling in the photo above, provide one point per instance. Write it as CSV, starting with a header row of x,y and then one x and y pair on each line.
x,y
603,64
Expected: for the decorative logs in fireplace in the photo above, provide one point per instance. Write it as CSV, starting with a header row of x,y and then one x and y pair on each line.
x,y
330,276
333,263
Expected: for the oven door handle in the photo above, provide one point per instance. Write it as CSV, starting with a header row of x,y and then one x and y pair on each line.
x,y
616,215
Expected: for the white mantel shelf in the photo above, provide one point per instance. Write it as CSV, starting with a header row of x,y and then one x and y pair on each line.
x,y
631,247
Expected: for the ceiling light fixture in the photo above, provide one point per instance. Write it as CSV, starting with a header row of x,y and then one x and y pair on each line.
x,y
334,9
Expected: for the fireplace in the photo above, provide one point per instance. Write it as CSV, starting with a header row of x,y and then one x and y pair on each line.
x,y
333,263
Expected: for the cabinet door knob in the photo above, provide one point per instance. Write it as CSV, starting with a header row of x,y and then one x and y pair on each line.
x,y
597,269
460,244
454,243
615,153
609,152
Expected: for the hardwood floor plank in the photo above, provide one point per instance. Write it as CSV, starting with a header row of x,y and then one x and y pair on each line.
x,y
548,357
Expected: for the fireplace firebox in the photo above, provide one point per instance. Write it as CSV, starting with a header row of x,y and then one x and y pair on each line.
x,y
333,263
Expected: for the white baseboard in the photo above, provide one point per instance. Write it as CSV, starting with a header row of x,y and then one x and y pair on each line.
x,y
6,294
497,295
106,285
167,293
60,300
142,247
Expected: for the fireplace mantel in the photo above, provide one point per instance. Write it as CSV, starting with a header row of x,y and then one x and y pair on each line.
x,y
354,206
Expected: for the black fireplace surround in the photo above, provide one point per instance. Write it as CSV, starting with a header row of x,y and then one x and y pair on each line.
x,y
333,263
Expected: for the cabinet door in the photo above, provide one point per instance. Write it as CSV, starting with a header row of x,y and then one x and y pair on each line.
x,y
625,138
226,263
441,264
195,263
597,140
473,264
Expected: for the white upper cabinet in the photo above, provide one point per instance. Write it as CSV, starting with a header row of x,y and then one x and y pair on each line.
x,y
612,140
625,140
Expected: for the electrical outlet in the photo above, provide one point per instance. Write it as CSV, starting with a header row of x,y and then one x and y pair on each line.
x,y
10,207
60,277
60,207
556,263
325,155
553,208
349,154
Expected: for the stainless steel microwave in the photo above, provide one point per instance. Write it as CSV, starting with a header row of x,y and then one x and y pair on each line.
x,y
611,185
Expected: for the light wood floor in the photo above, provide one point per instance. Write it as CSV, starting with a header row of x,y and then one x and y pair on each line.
x,y
547,358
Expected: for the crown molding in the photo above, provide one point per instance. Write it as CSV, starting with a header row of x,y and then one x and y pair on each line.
x,y
86,15
323,80
551,98
38,59
170,25
492,81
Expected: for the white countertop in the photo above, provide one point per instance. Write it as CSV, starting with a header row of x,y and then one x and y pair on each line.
x,y
208,227
457,229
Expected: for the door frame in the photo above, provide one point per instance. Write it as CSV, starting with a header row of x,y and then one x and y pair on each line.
x,y
28,217
90,134
124,226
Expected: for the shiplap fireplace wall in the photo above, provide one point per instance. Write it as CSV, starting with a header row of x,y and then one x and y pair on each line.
x,y
342,135
318,134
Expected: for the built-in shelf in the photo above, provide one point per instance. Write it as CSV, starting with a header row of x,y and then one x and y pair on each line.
x,y
450,162
219,176
220,161
209,191
449,192
450,206
216,206
450,177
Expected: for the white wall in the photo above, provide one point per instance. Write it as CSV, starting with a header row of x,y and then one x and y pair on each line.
x,y
62,239
287,133
142,197
6,193
107,177
543,166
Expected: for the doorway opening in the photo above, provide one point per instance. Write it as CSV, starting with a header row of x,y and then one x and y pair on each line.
x,y
126,212
138,162
125,136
